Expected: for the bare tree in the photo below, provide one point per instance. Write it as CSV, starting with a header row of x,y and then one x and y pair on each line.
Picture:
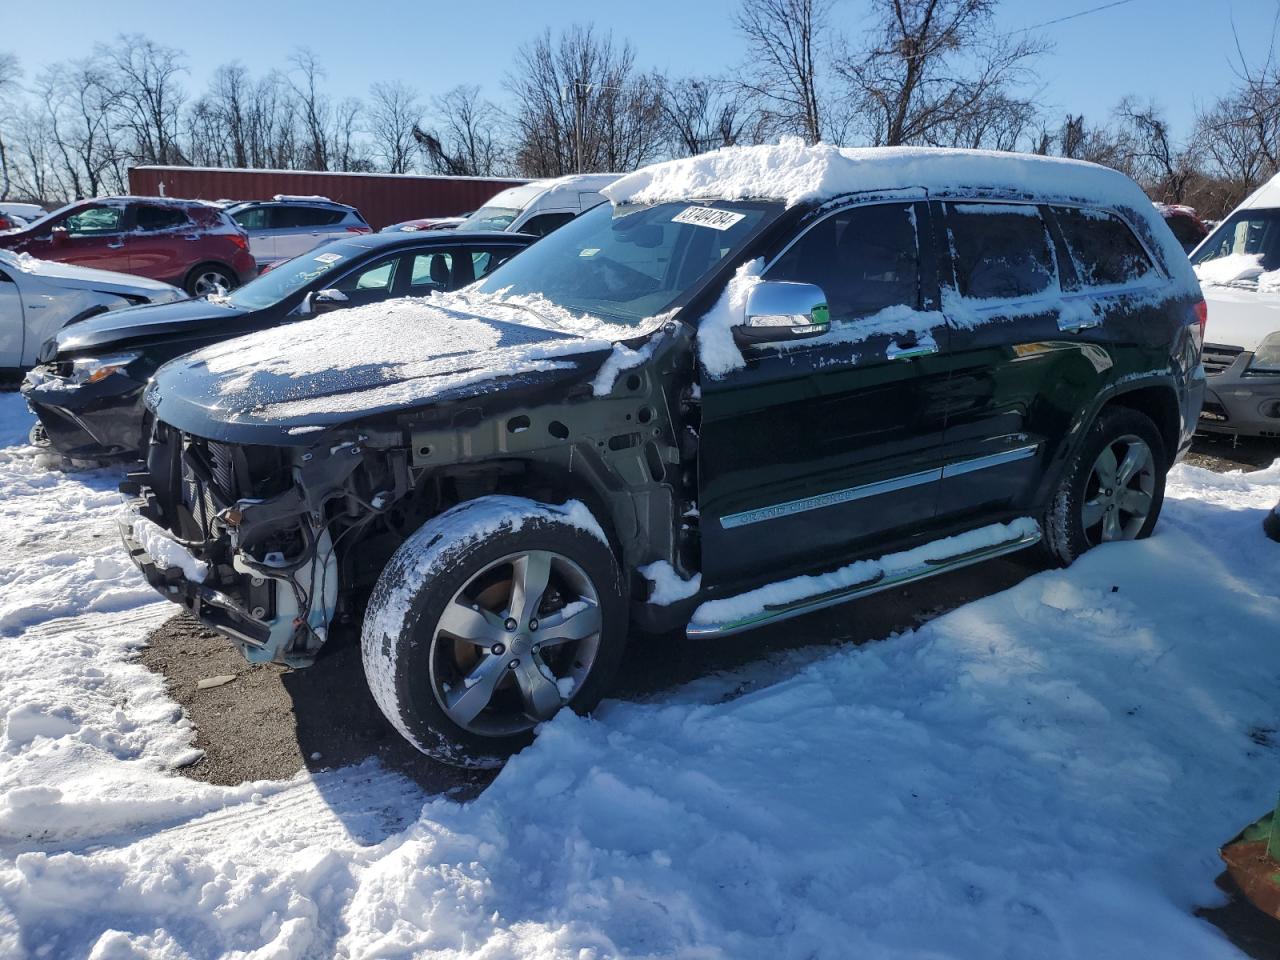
x,y
465,139
144,79
937,72
579,105
315,108
782,73
394,113
1163,167
9,74
703,113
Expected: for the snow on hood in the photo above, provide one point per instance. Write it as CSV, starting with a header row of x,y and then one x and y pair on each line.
x,y
390,354
1232,269
86,276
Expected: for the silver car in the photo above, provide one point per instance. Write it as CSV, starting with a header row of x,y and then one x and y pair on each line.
x,y
285,227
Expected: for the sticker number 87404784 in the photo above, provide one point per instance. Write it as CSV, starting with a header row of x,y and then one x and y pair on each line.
x,y
707,217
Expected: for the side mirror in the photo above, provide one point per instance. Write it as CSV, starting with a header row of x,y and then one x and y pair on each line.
x,y
59,235
779,311
324,301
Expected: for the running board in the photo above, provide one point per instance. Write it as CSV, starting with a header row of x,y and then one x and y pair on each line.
x,y
882,581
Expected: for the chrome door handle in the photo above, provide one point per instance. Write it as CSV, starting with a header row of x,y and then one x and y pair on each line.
x,y
1075,326
900,350
192,236
115,246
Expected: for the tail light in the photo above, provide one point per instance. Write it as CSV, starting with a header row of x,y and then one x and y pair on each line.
x,y
1202,315
359,229
240,240
5,223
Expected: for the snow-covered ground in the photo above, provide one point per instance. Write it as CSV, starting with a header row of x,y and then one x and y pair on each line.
x,y
1043,773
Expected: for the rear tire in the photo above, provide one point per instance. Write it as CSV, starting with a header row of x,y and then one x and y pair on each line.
x,y
1113,490
209,278
487,620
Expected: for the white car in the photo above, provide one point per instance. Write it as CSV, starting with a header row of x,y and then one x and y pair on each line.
x,y
540,206
1239,269
40,297
19,214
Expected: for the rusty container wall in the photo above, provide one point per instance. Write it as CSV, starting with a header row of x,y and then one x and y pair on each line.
x,y
382,198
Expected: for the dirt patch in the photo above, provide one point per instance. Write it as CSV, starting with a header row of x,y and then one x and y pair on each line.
x,y
270,721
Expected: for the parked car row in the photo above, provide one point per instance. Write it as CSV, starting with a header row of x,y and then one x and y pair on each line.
x,y
742,387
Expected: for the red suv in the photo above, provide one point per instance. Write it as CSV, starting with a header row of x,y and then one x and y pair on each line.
x,y
189,243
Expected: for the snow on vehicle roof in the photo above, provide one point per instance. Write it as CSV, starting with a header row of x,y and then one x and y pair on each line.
x,y
303,198
795,172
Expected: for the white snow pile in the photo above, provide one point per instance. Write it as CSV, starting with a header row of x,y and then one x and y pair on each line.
x,y
1046,772
668,586
1238,268
167,554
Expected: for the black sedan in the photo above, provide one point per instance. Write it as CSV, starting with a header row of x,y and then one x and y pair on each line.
x,y
87,389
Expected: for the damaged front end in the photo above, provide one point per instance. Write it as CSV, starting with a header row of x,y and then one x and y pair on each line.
x,y
263,570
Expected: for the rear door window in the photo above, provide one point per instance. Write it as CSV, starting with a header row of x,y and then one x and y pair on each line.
x,y
1001,251
431,271
151,218
1103,249
299,217
253,218
865,259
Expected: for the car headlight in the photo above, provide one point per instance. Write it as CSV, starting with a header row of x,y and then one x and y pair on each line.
x,y
93,369
1266,359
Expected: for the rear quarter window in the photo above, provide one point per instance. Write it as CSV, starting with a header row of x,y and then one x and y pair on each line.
x,y
1000,251
1103,249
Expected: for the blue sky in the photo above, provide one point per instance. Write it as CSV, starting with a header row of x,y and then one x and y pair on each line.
x,y
1178,51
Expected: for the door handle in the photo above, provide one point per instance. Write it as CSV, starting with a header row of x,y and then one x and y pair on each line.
x,y
1076,324
908,347
115,246
192,236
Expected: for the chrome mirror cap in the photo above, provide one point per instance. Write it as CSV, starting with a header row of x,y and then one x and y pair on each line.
x,y
778,311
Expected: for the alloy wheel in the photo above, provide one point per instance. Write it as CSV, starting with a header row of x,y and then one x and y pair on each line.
x,y
211,281
1119,492
515,642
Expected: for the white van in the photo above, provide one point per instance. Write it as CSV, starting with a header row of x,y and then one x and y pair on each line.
x,y
1239,269
538,207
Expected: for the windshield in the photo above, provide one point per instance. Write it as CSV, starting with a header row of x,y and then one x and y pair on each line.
x,y
291,276
490,218
626,264
1254,233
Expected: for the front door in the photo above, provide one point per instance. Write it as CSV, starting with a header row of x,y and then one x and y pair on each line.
x,y
95,237
816,450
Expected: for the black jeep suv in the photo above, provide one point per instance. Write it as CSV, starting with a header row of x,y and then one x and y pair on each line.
x,y
683,409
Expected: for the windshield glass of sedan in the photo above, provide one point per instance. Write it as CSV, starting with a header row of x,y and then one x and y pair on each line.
x,y
292,275
1252,232
626,264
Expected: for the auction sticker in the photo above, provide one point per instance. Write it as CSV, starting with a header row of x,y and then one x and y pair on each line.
x,y
708,217
327,257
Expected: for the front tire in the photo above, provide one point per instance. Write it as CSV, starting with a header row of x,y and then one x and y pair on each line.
x,y
488,620
1113,490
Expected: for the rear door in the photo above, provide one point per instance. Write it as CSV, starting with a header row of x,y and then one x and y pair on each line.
x,y
256,221
1026,351
162,242
823,448
298,228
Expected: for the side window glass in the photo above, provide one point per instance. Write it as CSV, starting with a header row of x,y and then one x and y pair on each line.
x,y
379,276
254,218
1001,251
5,278
308,216
485,262
159,218
1103,248
431,271
93,221
864,259
543,224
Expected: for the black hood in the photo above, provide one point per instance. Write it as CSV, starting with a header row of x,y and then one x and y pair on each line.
x,y
154,321
285,384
